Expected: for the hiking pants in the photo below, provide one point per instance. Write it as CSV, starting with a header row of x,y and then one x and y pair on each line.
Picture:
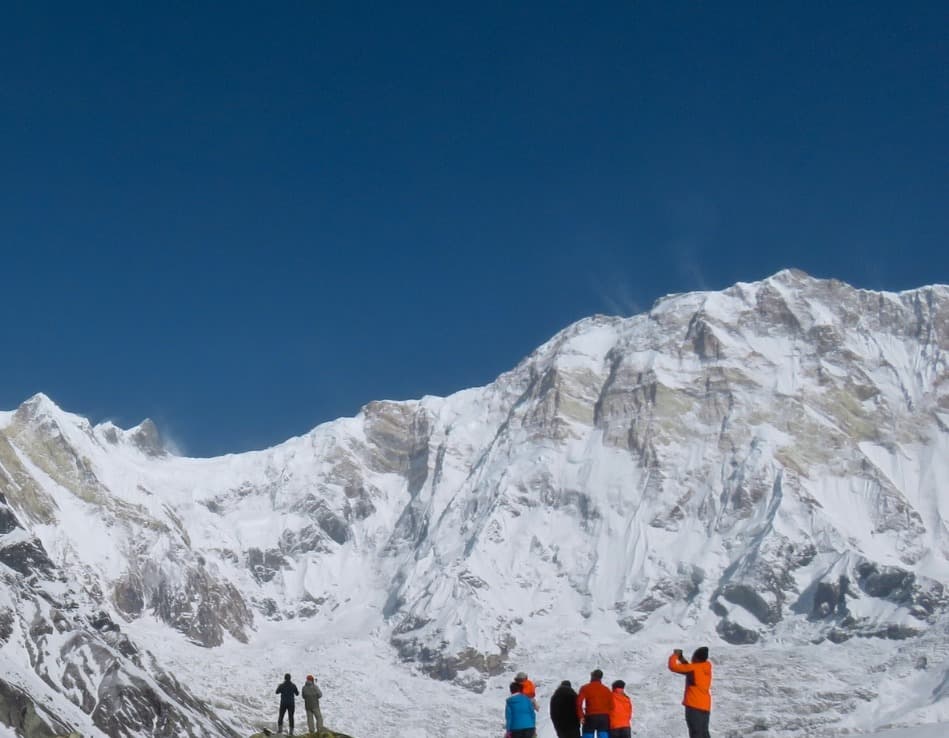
x,y
288,709
314,714
626,732
523,733
571,732
598,725
697,722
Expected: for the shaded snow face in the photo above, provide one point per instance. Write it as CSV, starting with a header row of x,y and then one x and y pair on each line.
x,y
759,469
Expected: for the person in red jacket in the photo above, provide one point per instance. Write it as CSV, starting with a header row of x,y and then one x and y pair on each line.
x,y
621,716
594,704
698,683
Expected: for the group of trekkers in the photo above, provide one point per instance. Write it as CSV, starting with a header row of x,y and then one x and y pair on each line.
x,y
607,712
311,701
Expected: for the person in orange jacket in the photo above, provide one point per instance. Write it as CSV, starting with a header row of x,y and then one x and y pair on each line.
x,y
698,683
594,704
527,687
621,716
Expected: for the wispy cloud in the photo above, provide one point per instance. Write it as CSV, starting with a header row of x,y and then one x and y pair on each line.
x,y
173,444
617,294
687,253
694,219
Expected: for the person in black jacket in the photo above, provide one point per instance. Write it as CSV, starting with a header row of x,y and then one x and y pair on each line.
x,y
287,691
563,711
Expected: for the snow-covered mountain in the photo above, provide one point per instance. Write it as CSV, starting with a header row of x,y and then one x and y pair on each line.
x,y
763,469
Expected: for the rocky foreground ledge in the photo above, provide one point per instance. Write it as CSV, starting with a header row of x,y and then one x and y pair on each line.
x,y
322,734
263,734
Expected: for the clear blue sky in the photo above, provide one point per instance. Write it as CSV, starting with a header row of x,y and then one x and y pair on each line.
x,y
244,219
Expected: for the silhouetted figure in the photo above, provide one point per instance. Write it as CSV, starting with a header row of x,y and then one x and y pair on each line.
x,y
563,711
287,691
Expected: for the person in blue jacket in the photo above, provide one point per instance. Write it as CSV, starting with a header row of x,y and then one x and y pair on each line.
x,y
519,718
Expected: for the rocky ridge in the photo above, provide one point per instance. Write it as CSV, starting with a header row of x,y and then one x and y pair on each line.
x,y
760,465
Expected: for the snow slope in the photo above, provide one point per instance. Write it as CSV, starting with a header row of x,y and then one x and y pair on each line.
x,y
759,469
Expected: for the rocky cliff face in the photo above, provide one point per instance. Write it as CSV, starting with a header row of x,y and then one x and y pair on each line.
x,y
758,453
51,627
756,466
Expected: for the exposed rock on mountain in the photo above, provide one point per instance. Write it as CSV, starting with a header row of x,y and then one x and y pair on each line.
x,y
755,466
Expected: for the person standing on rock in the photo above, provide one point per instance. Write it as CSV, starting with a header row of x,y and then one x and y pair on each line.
x,y
311,701
287,691
698,683
563,711
594,704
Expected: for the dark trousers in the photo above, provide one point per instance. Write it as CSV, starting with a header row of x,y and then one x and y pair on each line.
x,y
621,732
598,725
523,733
288,709
571,731
697,722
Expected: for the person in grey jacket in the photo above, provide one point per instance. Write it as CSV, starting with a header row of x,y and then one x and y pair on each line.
x,y
311,701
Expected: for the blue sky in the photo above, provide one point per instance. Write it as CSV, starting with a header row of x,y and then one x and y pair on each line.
x,y
245,219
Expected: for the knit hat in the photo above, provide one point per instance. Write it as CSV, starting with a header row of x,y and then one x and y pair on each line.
x,y
701,654
521,676
309,677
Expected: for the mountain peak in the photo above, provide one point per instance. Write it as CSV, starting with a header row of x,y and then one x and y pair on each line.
x,y
39,407
147,438
791,275
38,403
